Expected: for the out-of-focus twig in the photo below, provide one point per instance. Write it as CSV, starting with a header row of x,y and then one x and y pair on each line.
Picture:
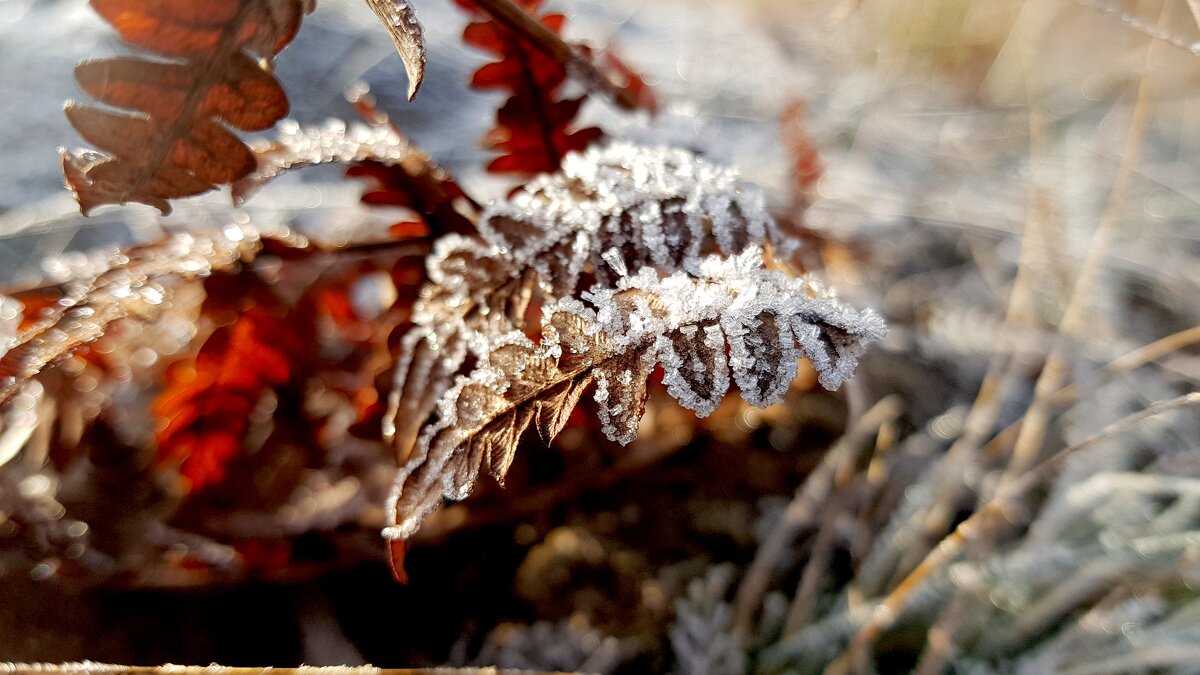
x,y
802,511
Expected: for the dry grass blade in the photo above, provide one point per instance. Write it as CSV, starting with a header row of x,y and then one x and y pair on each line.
x,y
1032,433
803,509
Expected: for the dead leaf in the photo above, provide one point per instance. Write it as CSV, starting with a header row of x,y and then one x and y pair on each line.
x,y
172,145
400,20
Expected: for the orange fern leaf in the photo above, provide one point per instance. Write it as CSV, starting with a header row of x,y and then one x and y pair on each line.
x,y
175,142
206,408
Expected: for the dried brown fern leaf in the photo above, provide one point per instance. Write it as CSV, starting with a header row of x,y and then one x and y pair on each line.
x,y
214,73
686,323
609,210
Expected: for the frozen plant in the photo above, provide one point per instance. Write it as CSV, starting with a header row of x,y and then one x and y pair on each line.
x,y
611,210
673,248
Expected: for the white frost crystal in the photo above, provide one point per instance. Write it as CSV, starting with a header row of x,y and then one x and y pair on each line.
x,y
767,318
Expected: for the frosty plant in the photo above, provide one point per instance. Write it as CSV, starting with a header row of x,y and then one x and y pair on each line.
x,y
612,261
639,257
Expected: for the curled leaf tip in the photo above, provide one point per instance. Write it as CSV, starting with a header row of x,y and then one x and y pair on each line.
x,y
400,20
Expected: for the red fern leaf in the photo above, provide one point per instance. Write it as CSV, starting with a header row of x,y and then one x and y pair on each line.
x,y
532,126
802,151
430,195
172,144
205,411
415,183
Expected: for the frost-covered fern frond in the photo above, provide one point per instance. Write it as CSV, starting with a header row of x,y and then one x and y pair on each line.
x,y
334,142
635,223
763,320
610,211
651,206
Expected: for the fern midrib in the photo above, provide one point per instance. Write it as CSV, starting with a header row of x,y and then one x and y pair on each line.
x,y
568,376
553,156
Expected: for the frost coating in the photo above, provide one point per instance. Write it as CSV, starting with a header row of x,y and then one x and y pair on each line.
x,y
620,206
610,211
617,336
769,320
670,248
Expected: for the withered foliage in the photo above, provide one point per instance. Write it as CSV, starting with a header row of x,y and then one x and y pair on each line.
x,y
416,183
114,286
550,240
533,127
213,72
260,345
701,304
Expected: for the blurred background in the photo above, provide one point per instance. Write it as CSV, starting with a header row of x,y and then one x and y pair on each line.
x,y
1012,183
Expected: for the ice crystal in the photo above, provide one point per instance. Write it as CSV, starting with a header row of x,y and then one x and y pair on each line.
x,y
673,250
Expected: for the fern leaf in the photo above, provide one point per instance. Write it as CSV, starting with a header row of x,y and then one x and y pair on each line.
x,y
609,210
533,125
171,144
616,337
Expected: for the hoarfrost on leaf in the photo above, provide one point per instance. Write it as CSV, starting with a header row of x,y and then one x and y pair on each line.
x,y
671,249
